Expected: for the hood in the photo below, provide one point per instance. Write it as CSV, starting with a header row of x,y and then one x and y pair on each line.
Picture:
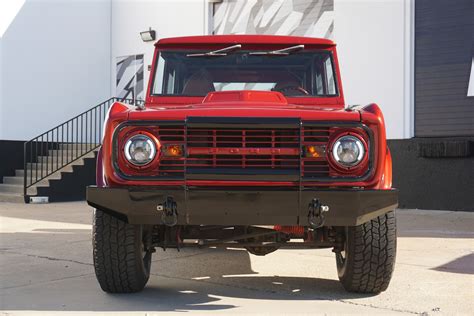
x,y
243,109
244,104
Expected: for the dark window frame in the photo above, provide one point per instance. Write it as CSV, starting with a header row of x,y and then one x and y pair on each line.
x,y
328,52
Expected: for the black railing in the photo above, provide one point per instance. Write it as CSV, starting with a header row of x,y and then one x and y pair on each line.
x,y
53,150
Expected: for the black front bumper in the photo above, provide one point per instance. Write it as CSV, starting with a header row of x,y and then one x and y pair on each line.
x,y
243,206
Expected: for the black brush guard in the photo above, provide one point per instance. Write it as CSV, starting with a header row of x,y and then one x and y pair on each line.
x,y
244,206
296,205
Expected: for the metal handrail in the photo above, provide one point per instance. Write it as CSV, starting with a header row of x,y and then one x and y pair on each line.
x,y
65,143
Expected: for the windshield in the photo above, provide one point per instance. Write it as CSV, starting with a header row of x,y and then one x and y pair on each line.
x,y
295,74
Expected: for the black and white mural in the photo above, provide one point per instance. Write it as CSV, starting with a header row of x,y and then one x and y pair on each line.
x,y
312,18
129,82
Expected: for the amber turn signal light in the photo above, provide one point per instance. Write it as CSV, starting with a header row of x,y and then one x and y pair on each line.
x,y
314,151
173,150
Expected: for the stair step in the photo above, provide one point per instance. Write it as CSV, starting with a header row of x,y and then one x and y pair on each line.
x,y
32,173
19,173
70,152
78,146
20,180
13,180
46,169
18,189
53,159
11,188
11,198
53,163
44,182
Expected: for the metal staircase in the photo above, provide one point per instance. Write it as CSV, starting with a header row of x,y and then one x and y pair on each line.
x,y
56,160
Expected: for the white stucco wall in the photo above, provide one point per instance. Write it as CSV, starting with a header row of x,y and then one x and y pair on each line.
x,y
374,39
374,44
58,58
169,18
55,64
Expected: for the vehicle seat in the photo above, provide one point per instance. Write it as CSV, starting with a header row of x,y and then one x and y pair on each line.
x,y
288,82
199,84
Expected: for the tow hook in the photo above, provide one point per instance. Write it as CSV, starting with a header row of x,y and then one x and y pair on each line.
x,y
169,212
316,213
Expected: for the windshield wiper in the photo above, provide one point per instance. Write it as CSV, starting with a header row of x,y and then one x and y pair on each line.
x,y
219,52
280,52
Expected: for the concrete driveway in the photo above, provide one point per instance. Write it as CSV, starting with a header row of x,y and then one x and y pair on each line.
x,y
46,267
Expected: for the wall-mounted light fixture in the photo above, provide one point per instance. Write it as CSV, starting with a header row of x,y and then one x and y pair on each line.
x,y
148,36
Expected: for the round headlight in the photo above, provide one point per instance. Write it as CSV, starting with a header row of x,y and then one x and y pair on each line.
x,y
348,151
140,150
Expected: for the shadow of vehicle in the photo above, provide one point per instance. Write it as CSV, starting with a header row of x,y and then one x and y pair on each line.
x,y
58,276
463,265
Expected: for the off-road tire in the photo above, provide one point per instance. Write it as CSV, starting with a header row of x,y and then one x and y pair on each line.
x,y
368,259
120,262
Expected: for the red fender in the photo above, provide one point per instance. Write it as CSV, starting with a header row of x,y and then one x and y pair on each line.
x,y
386,182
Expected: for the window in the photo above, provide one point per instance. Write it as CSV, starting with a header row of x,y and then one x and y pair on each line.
x,y
331,88
158,84
299,74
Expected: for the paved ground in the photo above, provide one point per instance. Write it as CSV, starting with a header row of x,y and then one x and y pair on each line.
x,y
45,258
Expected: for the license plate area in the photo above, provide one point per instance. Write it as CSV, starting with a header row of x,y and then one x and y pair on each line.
x,y
236,207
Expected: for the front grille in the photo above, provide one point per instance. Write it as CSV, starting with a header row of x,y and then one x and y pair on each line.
x,y
169,166
247,151
245,148
315,167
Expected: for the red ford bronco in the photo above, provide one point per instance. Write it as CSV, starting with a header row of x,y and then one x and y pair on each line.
x,y
244,141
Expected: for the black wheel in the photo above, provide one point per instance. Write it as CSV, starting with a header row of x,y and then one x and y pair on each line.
x,y
121,261
366,263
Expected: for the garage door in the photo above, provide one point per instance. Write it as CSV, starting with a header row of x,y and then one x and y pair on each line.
x,y
444,47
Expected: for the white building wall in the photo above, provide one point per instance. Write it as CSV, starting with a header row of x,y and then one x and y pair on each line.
x,y
55,64
169,18
58,58
374,42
